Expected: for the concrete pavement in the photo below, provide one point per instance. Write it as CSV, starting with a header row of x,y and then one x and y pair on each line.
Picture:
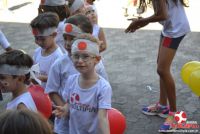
x,y
130,62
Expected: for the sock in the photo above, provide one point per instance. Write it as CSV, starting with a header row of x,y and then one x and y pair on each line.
x,y
172,113
162,106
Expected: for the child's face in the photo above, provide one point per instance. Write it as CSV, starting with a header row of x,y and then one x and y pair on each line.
x,y
84,62
44,41
91,14
8,83
81,10
90,1
68,42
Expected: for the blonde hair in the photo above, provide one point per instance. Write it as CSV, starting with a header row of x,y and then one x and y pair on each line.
x,y
88,36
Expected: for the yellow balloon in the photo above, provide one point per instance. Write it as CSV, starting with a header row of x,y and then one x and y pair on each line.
x,y
187,69
194,81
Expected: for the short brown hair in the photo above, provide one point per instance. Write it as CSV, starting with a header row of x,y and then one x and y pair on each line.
x,y
23,122
82,22
45,20
17,58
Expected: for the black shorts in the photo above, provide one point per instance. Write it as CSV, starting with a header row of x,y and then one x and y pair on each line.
x,y
62,11
170,42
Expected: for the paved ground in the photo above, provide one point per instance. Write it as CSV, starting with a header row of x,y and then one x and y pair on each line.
x,y
130,61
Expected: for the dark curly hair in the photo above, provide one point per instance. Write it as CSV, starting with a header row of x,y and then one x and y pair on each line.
x,y
44,21
19,59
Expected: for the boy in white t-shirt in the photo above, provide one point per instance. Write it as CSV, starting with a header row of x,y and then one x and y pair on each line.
x,y
14,77
44,30
63,67
88,94
60,7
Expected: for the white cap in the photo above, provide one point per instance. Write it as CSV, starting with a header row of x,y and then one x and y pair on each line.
x,y
85,45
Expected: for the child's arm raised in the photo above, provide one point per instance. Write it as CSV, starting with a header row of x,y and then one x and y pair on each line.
x,y
102,38
103,121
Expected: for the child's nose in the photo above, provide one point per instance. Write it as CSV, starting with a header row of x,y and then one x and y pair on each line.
x,y
80,59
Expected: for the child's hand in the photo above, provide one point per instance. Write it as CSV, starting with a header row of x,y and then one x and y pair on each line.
x,y
34,82
60,111
136,24
43,78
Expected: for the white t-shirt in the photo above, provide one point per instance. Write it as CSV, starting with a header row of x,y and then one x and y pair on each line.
x,y
85,103
61,69
59,37
3,41
45,62
24,98
59,72
96,30
100,69
177,23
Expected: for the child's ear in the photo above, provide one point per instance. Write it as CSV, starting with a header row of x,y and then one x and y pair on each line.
x,y
98,58
54,34
22,78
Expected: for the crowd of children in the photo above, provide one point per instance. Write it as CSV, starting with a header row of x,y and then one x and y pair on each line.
x,y
71,70
56,29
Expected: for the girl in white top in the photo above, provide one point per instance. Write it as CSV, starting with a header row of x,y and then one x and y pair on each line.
x,y
14,76
171,14
98,32
88,95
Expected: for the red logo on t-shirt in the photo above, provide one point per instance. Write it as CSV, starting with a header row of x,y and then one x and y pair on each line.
x,y
75,98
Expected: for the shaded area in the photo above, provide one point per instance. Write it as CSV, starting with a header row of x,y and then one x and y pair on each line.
x,y
1,96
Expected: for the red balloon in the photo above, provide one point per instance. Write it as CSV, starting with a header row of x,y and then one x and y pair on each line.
x,y
42,100
117,121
